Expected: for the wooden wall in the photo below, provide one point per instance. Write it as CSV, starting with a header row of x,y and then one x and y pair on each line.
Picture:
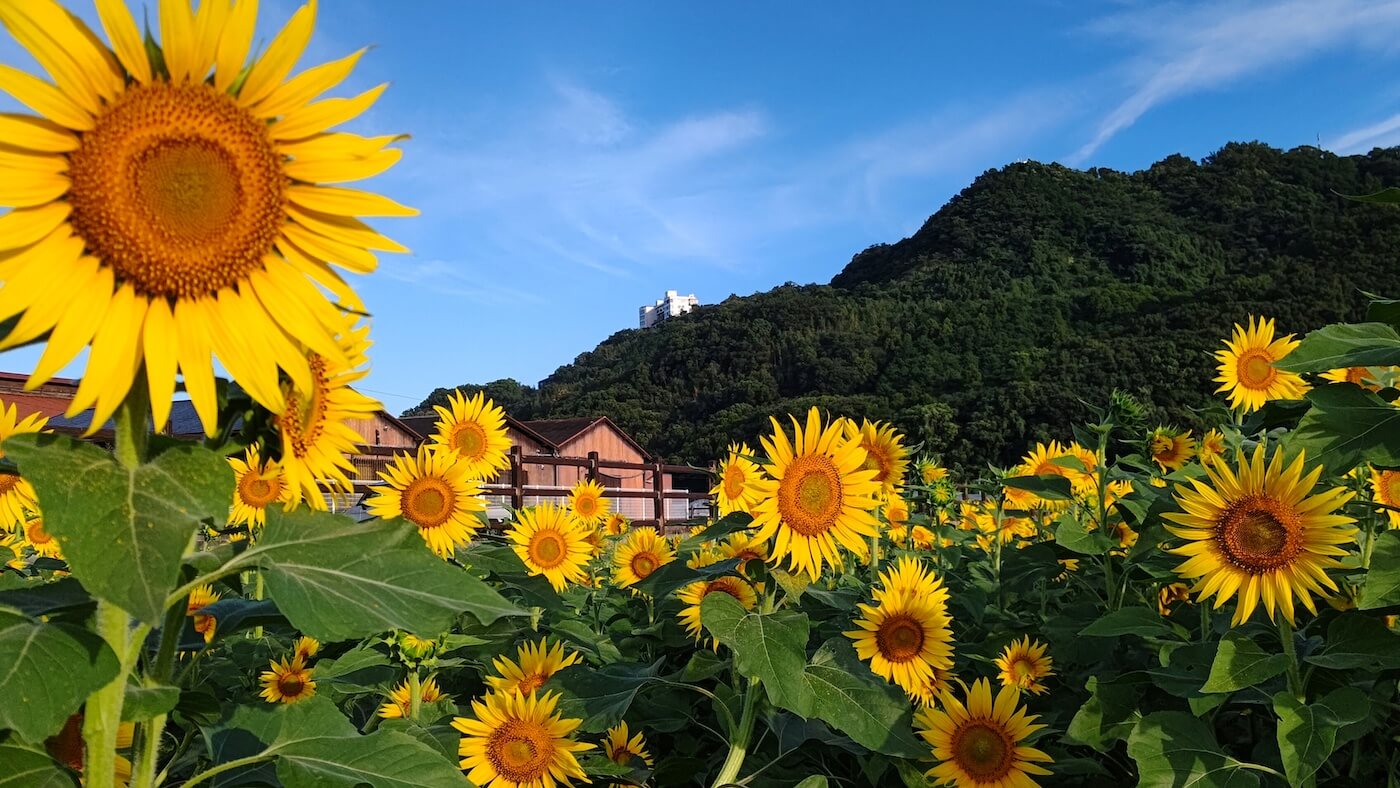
x,y
610,445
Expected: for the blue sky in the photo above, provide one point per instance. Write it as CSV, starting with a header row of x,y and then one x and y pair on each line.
x,y
574,160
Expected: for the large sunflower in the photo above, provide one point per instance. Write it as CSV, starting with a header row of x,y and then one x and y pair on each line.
x,y
401,698
1385,489
1023,664
257,484
1260,532
288,681
979,744
905,635
819,496
885,452
174,190
692,595
1247,368
476,430
17,496
1171,448
640,554
551,543
314,426
733,493
622,747
534,664
587,502
518,741
434,492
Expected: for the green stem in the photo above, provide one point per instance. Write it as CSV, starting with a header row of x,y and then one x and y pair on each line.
x,y
1205,620
415,693
152,730
258,592
739,738
229,766
1369,540
1295,677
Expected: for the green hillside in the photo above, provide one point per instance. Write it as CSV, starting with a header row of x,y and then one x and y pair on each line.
x,y
1036,289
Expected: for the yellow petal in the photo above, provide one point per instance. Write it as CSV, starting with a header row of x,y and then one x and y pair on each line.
x,y
12,160
32,290
43,28
319,270
177,39
299,307
196,366
24,226
75,329
339,145
281,56
234,43
345,202
44,99
35,134
316,118
125,37
161,347
356,259
229,332
110,370
208,27
346,229
299,90
20,189
342,170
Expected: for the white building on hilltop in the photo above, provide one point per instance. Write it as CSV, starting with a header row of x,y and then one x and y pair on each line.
x,y
672,305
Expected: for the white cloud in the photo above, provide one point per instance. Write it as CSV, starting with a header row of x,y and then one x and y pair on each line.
x,y
1376,135
1188,50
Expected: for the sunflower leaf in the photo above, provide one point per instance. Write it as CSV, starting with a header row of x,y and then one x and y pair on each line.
x,y
600,697
1071,534
1240,663
49,669
856,702
1050,487
1173,748
335,579
1358,642
1129,621
1344,345
1382,587
123,530
1109,714
1346,426
1308,734
25,767
771,647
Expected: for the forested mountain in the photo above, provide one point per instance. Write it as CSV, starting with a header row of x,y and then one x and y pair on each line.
x,y
1036,289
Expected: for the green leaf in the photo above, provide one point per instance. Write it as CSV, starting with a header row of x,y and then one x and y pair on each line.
x,y
23,767
600,697
856,702
123,530
1109,714
384,759
769,646
1240,663
1355,641
1389,194
1129,621
361,666
1382,588
1344,345
676,574
1174,749
335,579
815,781
66,595
46,672
1308,734
1071,535
1347,426
1050,487
144,703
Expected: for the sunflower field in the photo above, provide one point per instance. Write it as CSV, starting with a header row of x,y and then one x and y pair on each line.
x,y
1132,603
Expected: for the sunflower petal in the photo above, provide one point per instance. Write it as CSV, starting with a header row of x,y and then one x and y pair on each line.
x,y
125,37
281,56
298,91
161,347
24,226
44,99
36,134
234,42
316,118
345,202
342,170
177,40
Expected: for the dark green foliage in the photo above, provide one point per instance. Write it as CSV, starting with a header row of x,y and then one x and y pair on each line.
x,y
1036,289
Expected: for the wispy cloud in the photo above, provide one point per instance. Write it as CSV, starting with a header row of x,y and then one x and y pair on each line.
x,y
1376,135
1188,50
453,278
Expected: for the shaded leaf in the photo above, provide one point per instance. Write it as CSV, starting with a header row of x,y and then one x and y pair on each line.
x,y
143,703
1344,345
46,672
1174,749
1109,714
23,767
1050,487
1358,641
1129,621
1071,535
769,646
1240,663
1347,426
856,702
1382,588
600,697
65,595
1307,734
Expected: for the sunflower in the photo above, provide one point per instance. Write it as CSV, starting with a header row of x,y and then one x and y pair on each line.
x,y
931,472
1247,368
413,648
288,681
622,750
932,686
885,452
257,484
551,543
903,638
1260,532
1212,445
305,648
586,502
1365,377
640,554
536,662
67,747
692,595
910,578
1170,595
979,744
39,538
922,538
518,741
182,209
400,700
896,512
1086,481
314,426
1040,461
819,496
1023,664
434,492
202,596
744,546
1171,448
733,493
476,430
616,524
1385,489
17,496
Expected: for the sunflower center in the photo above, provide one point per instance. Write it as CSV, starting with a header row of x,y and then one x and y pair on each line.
x,y
1256,369
178,189
809,496
1390,486
290,685
643,564
305,416
427,502
530,683
586,505
878,460
982,750
8,482
35,532
621,757
900,638
520,751
258,491
470,440
1022,669
547,549
733,481
1260,533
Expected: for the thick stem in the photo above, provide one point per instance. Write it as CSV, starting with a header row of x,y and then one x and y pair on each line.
x,y
151,731
1295,677
415,694
739,738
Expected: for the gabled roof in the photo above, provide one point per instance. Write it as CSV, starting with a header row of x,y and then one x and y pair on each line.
x,y
184,422
559,432
425,426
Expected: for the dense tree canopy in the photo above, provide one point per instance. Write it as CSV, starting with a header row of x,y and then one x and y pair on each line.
x,y
1037,289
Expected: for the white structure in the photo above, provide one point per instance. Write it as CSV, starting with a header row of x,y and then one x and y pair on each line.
x,y
672,305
